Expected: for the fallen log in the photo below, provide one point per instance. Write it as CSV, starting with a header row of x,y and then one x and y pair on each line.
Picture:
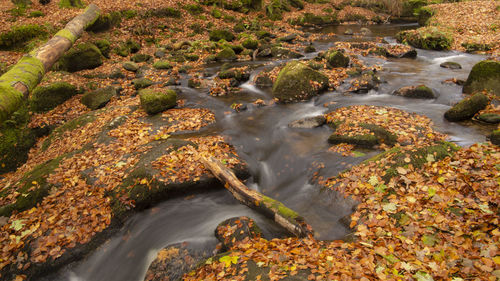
x,y
20,80
281,214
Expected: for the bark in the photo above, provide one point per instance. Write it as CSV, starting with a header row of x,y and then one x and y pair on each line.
x,y
282,215
17,83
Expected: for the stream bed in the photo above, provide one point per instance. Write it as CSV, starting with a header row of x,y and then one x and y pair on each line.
x,y
281,160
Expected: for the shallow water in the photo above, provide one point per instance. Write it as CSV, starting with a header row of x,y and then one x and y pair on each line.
x,y
281,160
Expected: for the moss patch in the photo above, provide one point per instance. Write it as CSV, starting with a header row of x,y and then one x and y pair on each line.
x,y
430,38
83,56
467,108
484,75
20,36
69,126
48,97
278,207
153,101
71,4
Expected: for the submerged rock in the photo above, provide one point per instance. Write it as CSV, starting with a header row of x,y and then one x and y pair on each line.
x,y
466,108
296,81
485,75
451,65
308,122
236,229
97,99
415,92
156,101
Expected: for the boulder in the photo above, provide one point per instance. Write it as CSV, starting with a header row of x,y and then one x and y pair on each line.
x,y
218,34
250,43
156,101
495,137
226,54
415,92
141,83
141,57
348,32
237,74
467,108
430,38
130,66
485,75
47,97
336,58
308,122
162,65
80,57
492,118
365,31
97,99
280,52
451,65
296,81
236,229
104,46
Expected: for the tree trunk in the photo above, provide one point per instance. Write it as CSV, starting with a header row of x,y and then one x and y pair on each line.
x,y
19,81
282,215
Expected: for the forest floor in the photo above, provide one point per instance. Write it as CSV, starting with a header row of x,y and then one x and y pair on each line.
x,y
436,220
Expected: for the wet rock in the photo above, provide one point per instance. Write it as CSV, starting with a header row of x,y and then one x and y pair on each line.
x,y
451,65
466,108
495,137
394,51
263,53
237,74
493,118
288,38
156,101
309,49
296,81
141,83
308,122
348,32
263,81
368,81
130,66
173,261
236,229
226,54
365,31
48,97
280,52
141,58
83,56
415,92
336,58
485,75
98,99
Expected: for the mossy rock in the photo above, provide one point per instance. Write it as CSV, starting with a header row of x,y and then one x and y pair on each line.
x,y
309,19
219,34
141,83
104,46
71,4
473,47
280,52
130,66
451,65
15,141
415,92
294,82
69,126
167,12
430,38
105,22
250,43
192,57
156,101
83,56
467,108
141,57
495,137
162,65
20,36
485,75
47,97
98,99
492,118
274,9
194,9
237,74
226,54
336,58
410,7
236,229
309,49
366,141
32,188
424,14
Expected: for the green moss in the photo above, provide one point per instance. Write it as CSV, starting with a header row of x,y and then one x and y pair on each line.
x,y
309,19
99,98
219,34
104,46
71,4
383,135
493,118
32,188
484,75
336,58
250,43
28,70
154,101
105,22
141,83
226,54
141,57
294,82
281,209
274,9
19,36
36,14
80,57
430,38
66,34
424,14
48,97
193,9
191,57
162,65
366,140
129,14
163,13
467,108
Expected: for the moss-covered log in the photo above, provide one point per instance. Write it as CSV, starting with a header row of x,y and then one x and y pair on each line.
x,y
281,214
18,82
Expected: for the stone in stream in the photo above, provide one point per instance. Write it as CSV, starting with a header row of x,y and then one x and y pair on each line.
x,y
415,92
288,38
296,82
97,99
492,118
495,137
156,101
236,229
336,58
284,53
451,65
365,31
348,32
466,108
308,122
485,75
368,81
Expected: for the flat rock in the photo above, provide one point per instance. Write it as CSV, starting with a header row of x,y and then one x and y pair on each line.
x,y
308,122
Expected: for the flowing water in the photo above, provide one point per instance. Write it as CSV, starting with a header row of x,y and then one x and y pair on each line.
x,y
281,160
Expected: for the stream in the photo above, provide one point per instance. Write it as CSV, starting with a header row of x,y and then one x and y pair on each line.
x,y
281,160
